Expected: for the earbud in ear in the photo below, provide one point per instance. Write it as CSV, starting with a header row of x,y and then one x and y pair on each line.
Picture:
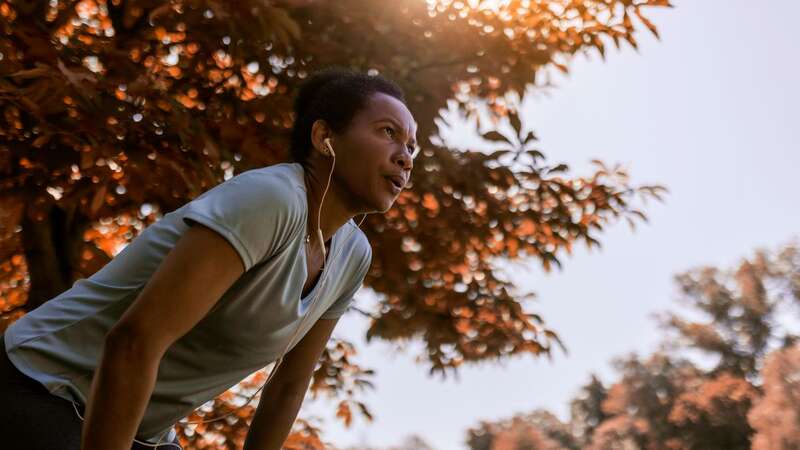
x,y
328,148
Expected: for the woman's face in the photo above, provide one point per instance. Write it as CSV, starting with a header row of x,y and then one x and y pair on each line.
x,y
376,147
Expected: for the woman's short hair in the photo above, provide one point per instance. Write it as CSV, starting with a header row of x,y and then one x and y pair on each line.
x,y
334,94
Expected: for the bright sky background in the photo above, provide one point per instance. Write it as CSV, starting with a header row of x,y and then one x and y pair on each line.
x,y
710,111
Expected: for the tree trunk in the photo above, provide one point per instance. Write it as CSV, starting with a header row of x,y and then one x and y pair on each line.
x,y
52,247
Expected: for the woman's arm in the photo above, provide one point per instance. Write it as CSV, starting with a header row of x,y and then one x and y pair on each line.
x,y
281,399
192,277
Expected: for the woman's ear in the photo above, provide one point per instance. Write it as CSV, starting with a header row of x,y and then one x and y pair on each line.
x,y
320,138
328,148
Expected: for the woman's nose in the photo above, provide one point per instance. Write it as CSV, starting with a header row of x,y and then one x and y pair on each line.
x,y
404,160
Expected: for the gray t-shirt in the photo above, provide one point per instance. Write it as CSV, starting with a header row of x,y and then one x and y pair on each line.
x,y
262,213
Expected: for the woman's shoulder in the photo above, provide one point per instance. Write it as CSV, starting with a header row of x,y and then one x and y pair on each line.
x,y
275,185
280,177
258,211
287,171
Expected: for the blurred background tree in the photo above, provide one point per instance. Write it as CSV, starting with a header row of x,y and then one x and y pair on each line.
x,y
740,392
411,442
776,415
114,112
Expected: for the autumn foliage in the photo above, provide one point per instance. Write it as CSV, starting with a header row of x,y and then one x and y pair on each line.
x,y
115,111
747,398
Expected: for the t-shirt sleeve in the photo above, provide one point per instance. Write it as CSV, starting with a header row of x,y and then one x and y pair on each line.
x,y
255,212
343,302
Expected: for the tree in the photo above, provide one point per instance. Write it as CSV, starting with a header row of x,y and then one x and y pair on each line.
x,y
586,410
539,430
711,413
679,405
775,417
739,306
665,401
116,111
637,406
411,442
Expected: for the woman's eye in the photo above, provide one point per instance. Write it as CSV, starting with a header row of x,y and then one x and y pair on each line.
x,y
411,148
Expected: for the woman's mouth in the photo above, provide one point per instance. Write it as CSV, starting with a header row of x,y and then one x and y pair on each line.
x,y
393,185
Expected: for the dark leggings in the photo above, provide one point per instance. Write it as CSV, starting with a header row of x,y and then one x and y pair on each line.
x,y
31,418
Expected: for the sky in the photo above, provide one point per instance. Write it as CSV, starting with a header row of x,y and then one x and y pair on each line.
x,y
710,112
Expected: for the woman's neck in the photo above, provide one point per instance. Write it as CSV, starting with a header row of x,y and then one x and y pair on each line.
x,y
334,211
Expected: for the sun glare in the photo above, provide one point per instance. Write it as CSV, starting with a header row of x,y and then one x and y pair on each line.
x,y
476,5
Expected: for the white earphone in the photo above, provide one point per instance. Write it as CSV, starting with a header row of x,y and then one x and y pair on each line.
x,y
327,151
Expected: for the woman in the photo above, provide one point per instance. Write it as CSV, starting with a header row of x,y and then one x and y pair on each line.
x,y
217,289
